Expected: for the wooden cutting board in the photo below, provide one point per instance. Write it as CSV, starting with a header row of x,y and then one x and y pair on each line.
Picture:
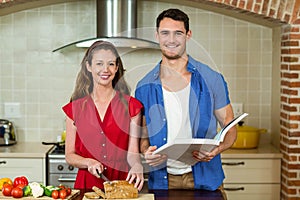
x,y
74,194
142,196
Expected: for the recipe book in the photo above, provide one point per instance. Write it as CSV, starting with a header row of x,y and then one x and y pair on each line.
x,y
181,149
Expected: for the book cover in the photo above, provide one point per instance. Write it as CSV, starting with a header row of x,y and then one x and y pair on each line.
x,y
181,149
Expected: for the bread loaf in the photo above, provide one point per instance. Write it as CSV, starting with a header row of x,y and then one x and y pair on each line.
x,y
99,192
120,189
91,195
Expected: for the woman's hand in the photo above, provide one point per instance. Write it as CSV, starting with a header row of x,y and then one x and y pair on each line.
x,y
93,166
136,176
154,160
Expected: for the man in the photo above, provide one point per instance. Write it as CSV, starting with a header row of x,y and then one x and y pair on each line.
x,y
182,98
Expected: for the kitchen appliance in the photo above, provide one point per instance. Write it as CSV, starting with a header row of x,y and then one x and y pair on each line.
x,y
247,136
7,133
117,23
58,170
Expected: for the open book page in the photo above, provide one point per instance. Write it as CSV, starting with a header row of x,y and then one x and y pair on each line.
x,y
181,149
220,136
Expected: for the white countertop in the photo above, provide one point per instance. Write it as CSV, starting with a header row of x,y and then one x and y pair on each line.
x,y
263,151
25,150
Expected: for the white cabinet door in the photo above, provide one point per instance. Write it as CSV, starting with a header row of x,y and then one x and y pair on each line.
x,y
252,170
249,179
252,191
32,168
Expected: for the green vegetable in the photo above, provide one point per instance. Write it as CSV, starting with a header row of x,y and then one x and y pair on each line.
x,y
49,189
47,192
27,191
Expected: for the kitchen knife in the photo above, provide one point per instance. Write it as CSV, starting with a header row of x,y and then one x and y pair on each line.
x,y
102,176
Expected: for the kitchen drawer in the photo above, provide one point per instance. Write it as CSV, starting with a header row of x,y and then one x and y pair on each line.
x,y
251,170
252,191
32,168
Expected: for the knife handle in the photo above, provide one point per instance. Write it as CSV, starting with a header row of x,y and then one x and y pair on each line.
x,y
98,172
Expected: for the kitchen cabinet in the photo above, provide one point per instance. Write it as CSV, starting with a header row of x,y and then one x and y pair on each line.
x,y
33,168
252,174
28,159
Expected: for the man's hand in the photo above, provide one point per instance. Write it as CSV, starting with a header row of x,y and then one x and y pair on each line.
x,y
204,156
154,160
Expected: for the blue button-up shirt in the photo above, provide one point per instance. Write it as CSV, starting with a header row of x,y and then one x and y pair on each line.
x,y
208,92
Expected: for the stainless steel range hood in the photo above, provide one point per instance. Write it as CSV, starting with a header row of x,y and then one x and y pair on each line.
x,y
116,23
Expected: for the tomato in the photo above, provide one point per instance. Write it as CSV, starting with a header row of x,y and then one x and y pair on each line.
x,y
21,186
69,191
55,194
63,193
62,186
20,180
17,192
6,189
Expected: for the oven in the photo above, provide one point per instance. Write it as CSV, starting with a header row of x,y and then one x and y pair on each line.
x,y
58,170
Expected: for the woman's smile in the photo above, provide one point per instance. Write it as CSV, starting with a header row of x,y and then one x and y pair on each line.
x,y
104,76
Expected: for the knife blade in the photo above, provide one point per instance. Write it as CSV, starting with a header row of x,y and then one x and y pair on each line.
x,y
102,176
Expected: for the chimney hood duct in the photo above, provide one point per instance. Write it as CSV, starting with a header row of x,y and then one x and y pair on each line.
x,y
116,23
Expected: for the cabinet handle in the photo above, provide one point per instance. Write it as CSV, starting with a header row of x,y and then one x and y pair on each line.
x,y
3,162
233,163
234,189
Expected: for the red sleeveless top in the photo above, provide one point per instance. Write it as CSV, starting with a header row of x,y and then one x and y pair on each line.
x,y
105,141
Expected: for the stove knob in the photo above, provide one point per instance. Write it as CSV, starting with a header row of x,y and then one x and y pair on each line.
x,y
60,167
71,168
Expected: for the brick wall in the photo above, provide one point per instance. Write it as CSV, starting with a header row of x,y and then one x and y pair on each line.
x,y
290,115
286,12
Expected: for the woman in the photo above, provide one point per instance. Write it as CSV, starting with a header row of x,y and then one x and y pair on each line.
x,y
103,122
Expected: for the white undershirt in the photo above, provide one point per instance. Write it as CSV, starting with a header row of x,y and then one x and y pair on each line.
x,y
177,113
